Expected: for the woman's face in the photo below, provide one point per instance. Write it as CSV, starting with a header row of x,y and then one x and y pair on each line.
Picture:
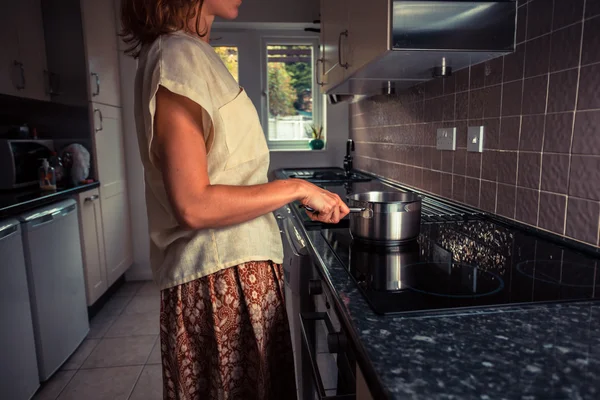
x,y
226,9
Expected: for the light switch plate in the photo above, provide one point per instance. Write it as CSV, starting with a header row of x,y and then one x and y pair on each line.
x,y
446,139
475,139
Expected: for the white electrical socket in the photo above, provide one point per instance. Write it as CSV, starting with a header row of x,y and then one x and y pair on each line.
x,y
446,139
475,139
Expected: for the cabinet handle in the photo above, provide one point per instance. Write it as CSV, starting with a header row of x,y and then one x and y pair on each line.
x,y
92,198
319,61
101,121
97,92
343,65
22,69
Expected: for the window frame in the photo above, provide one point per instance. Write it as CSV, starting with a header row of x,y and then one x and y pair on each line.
x,y
318,103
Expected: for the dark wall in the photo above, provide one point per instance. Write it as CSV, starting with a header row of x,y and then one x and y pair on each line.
x,y
541,110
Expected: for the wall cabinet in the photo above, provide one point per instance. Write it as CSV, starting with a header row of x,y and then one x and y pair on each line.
x,y
100,36
92,244
23,70
110,167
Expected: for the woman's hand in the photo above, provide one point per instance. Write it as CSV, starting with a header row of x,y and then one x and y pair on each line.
x,y
329,208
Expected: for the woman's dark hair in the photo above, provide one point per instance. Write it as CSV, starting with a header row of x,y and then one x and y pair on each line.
x,y
143,21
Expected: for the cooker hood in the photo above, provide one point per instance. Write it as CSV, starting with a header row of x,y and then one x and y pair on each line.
x,y
430,39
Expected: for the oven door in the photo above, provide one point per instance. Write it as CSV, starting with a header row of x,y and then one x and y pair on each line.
x,y
329,367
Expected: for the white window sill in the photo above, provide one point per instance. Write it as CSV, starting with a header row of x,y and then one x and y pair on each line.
x,y
297,150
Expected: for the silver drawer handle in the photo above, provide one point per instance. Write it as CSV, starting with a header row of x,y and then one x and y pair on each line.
x,y
343,65
97,92
96,110
22,70
92,198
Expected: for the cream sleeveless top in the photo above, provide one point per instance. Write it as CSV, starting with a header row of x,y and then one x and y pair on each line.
x,y
237,155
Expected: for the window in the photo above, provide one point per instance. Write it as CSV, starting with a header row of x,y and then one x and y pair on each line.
x,y
230,56
292,101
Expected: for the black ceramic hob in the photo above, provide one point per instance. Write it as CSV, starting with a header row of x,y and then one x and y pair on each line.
x,y
463,265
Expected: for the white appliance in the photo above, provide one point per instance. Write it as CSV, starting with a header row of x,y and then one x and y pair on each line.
x,y
18,365
56,284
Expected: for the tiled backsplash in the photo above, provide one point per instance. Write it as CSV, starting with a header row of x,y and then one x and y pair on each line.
x,y
541,110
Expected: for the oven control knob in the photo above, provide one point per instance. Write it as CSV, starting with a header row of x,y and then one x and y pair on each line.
x,y
337,342
314,287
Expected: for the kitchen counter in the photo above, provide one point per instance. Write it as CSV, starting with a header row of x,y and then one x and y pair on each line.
x,y
538,351
15,202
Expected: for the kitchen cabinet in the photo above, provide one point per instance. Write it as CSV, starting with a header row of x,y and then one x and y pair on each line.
x,y
23,69
334,22
100,36
92,244
110,167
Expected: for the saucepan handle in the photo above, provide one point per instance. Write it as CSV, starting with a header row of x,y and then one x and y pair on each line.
x,y
352,209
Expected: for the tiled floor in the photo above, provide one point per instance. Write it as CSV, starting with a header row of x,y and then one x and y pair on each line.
x,y
120,358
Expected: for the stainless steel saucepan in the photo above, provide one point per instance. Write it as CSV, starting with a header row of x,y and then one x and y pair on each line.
x,y
384,216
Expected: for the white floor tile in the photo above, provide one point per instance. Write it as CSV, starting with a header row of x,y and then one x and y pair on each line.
x,y
115,306
149,386
52,388
135,325
81,354
149,289
121,351
100,325
155,357
102,384
143,304
129,289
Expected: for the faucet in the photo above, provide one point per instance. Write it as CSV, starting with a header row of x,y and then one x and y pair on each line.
x,y
348,158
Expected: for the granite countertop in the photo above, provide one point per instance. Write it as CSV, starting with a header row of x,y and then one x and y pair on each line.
x,y
539,351
535,352
13,203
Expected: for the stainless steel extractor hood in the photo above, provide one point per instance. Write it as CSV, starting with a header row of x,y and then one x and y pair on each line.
x,y
427,39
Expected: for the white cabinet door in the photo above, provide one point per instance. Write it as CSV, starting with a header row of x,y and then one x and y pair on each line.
x,y
100,33
32,49
334,20
11,76
92,244
110,167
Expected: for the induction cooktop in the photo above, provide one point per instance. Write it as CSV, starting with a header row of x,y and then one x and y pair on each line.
x,y
464,265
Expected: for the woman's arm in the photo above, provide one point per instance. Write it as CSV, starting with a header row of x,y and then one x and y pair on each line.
x,y
181,151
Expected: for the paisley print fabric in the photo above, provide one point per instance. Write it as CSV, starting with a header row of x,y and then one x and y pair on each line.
x,y
226,336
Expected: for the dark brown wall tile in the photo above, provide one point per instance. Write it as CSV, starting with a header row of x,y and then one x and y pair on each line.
x,y
562,91
505,205
511,98
489,166
552,212
447,161
460,161
487,201
529,170
534,95
492,133
589,82
582,220
447,186
462,80
558,132
477,79
585,177
527,205
565,48
476,102
532,132
436,160
433,88
462,105
555,173
586,135
539,18
449,107
514,64
521,24
492,101
458,188
592,8
493,71
591,41
473,165
567,12
472,192
507,167
450,84
509,133
537,56
436,183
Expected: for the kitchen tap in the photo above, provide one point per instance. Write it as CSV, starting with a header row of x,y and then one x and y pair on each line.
x,y
348,158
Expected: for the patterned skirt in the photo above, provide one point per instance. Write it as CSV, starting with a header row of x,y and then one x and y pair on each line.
x,y
226,336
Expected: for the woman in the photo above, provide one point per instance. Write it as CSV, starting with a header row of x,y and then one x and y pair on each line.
x,y
216,251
